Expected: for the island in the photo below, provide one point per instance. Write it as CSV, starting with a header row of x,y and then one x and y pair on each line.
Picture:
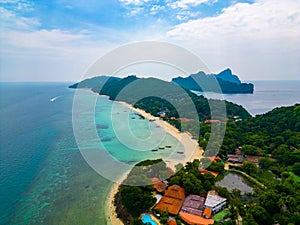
x,y
228,83
261,153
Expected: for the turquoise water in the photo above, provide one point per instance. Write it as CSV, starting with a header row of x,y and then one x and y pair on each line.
x,y
147,219
44,178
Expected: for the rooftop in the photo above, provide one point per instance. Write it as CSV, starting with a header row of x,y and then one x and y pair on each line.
x,y
159,185
172,222
193,204
207,213
195,220
213,200
215,174
172,200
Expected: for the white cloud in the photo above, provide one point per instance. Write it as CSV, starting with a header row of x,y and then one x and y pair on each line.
x,y
261,20
259,38
19,5
156,8
185,4
9,19
30,53
134,2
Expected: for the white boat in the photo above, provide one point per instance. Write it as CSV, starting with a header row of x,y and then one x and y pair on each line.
x,y
53,99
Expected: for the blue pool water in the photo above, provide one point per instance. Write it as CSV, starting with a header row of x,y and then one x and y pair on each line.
x,y
147,219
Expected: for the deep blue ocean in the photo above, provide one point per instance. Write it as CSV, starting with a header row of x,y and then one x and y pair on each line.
x,y
43,177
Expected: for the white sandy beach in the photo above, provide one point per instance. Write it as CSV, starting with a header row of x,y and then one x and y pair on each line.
x,y
191,151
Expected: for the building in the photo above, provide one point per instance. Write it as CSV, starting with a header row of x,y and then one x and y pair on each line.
x,y
253,159
212,121
172,222
193,204
172,200
215,202
207,213
235,158
158,185
202,171
195,220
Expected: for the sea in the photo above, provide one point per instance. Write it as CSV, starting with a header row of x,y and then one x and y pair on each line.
x,y
44,176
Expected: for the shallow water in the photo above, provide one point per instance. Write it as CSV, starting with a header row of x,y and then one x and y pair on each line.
x,y
43,174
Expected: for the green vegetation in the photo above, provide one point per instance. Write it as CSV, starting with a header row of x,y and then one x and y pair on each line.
x,y
139,199
192,180
136,199
222,215
156,96
275,136
294,177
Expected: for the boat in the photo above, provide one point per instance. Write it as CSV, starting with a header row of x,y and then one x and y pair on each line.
x,y
53,99
161,148
180,152
154,150
168,146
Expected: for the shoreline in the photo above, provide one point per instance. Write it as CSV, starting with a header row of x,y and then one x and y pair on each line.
x,y
191,149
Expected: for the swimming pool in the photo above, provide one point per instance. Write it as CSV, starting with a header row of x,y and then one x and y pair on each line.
x,y
146,218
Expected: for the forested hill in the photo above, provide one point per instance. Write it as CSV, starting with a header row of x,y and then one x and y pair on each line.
x,y
150,94
224,82
273,139
276,134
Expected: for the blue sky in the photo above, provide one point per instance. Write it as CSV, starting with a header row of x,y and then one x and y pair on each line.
x,y
58,40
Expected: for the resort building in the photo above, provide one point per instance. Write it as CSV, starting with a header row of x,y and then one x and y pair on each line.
x,y
212,121
195,220
172,200
172,222
207,213
214,202
235,158
158,185
253,159
202,171
193,204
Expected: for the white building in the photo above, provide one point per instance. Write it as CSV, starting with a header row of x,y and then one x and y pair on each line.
x,y
215,202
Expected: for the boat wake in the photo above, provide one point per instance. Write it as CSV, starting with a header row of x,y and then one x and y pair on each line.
x,y
53,99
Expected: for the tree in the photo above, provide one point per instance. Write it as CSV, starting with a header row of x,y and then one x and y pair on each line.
x,y
136,200
260,215
249,168
164,217
216,166
265,163
296,168
223,192
137,221
250,150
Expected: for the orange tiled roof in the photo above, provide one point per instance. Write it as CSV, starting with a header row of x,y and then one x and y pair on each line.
x,y
214,158
207,213
172,200
215,174
158,184
212,121
195,220
172,222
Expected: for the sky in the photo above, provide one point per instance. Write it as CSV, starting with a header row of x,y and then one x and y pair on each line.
x,y
59,40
